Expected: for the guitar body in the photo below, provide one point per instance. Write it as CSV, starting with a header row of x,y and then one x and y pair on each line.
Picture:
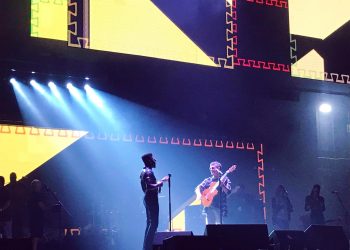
x,y
209,194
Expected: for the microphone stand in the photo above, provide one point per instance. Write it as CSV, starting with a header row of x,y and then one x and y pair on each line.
x,y
220,198
60,207
170,226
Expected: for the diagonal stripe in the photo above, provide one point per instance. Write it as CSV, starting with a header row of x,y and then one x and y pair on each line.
x,y
24,149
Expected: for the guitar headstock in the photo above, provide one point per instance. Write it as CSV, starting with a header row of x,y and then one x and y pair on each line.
x,y
232,168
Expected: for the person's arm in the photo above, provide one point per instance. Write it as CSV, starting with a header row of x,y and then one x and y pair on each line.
x,y
151,186
226,185
200,188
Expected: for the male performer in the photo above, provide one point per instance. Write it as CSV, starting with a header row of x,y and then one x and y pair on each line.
x,y
5,202
150,187
212,212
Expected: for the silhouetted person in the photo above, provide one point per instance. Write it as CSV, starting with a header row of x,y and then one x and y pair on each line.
x,y
36,209
281,209
18,206
150,187
5,202
315,204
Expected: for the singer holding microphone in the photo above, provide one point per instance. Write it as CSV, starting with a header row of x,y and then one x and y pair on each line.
x,y
151,187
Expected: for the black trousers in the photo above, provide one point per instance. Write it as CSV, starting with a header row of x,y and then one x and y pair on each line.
x,y
152,213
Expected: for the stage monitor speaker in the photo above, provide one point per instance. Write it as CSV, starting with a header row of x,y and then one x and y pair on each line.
x,y
159,237
287,240
190,243
15,244
239,236
326,237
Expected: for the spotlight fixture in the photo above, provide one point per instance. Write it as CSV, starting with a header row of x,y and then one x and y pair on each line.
x,y
69,85
87,87
13,81
325,108
33,72
32,82
13,70
87,78
51,84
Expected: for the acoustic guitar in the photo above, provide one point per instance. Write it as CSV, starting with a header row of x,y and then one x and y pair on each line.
x,y
208,194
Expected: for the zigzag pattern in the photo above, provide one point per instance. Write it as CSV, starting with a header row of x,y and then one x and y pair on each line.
x,y
293,49
271,3
261,175
34,21
325,76
231,38
73,39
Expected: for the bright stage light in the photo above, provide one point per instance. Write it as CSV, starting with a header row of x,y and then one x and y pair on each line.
x,y
325,108
93,96
75,93
13,81
54,90
38,87
87,78
69,85
51,85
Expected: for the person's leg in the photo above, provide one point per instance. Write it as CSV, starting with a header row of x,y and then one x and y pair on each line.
x,y
148,223
216,213
154,215
210,216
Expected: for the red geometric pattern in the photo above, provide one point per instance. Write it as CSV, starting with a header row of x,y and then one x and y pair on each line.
x,y
262,65
232,53
271,3
188,142
208,143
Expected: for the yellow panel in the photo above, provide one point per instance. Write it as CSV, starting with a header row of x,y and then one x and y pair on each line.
x,y
317,18
49,19
179,223
309,66
23,149
138,27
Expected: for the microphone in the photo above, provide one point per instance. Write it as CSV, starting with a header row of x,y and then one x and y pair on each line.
x,y
169,175
335,192
219,171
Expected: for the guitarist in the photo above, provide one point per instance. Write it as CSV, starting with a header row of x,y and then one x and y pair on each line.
x,y
205,191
